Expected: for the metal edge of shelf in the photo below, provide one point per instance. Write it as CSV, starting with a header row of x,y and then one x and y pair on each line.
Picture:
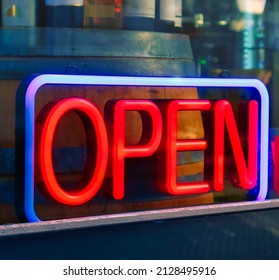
x,y
133,217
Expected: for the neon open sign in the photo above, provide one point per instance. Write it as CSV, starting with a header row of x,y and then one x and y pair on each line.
x,y
106,145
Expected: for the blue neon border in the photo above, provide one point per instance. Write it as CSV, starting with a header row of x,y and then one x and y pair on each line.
x,y
44,79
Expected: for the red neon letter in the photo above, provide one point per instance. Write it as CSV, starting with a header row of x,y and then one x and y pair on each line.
x,y
97,146
224,114
275,153
150,139
171,145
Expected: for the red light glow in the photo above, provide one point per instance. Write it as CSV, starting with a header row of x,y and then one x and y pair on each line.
x,y
224,115
149,142
171,145
118,5
155,137
276,163
97,146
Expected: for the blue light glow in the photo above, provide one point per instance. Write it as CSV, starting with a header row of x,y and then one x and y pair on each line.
x,y
41,80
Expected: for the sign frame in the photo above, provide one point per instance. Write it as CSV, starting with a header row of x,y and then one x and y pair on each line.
x,y
25,115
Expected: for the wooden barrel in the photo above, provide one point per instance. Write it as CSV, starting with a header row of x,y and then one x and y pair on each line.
x,y
111,53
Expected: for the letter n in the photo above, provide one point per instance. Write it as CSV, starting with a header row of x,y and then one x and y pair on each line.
x,y
247,173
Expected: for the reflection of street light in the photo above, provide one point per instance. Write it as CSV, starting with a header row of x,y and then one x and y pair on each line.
x,y
253,53
251,6
199,20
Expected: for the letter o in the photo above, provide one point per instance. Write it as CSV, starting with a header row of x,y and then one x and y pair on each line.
x,y
97,150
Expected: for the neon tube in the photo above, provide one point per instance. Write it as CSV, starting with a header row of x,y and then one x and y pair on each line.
x,y
41,80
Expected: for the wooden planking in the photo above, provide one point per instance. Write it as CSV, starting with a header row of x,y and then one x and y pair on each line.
x,y
189,124
7,113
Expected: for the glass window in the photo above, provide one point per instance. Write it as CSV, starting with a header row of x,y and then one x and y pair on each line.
x,y
153,38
